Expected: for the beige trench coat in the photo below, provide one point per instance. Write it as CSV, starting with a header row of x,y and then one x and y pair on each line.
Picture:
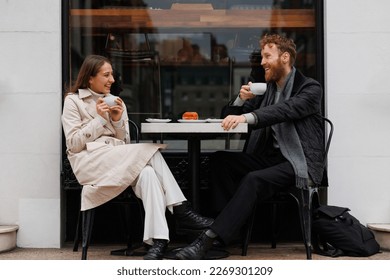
x,y
102,158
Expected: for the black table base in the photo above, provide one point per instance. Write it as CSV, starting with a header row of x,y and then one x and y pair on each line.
x,y
212,254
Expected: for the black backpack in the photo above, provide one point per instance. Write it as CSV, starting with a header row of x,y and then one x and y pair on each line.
x,y
338,233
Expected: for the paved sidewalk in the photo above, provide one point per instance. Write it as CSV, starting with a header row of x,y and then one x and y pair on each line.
x,y
256,251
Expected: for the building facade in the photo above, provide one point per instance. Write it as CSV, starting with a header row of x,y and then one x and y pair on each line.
x,y
356,37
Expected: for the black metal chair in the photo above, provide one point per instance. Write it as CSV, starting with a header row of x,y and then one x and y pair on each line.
x,y
86,218
304,199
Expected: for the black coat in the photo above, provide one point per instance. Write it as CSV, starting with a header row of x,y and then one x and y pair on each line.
x,y
304,109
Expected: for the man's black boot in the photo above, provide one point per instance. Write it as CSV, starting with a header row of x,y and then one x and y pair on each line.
x,y
188,219
196,250
157,251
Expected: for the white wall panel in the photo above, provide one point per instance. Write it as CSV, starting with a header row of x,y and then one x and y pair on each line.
x,y
30,16
358,97
30,109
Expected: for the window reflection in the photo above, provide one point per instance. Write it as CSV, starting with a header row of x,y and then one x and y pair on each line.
x,y
176,56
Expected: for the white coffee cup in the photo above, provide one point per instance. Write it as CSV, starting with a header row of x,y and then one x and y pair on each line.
x,y
258,88
110,100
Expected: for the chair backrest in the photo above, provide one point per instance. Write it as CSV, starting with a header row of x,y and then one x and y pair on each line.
x,y
329,137
134,131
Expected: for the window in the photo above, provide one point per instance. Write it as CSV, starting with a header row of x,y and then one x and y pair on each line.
x,y
176,56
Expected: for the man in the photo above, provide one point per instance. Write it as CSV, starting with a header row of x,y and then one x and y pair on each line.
x,y
285,146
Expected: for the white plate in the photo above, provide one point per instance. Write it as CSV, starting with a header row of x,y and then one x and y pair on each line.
x,y
158,120
214,120
191,121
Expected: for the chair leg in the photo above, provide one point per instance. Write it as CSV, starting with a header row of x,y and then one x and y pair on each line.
x,y
125,212
77,234
274,224
126,222
307,231
305,212
87,224
248,232
309,219
131,249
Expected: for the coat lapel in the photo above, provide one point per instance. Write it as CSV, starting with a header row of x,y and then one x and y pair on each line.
x,y
90,106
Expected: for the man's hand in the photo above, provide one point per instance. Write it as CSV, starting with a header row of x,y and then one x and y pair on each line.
x,y
232,121
245,92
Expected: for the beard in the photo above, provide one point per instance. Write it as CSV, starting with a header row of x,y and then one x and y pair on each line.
x,y
275,72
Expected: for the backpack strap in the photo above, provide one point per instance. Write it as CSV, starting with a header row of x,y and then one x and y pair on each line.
x,y
325,249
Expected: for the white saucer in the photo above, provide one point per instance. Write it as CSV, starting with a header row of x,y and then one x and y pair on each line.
x,y
191,121
214,120
158,120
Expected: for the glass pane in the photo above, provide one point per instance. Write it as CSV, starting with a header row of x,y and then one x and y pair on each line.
x,y
177,56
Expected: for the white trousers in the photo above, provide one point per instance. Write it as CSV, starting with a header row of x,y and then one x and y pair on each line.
x,y
158,190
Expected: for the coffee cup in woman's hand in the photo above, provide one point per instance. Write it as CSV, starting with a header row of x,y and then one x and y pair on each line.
x,y
110,100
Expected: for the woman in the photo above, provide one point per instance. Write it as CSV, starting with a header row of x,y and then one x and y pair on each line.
x,y
105,163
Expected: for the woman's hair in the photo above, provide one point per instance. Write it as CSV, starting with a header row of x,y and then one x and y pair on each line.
x,y
283,44
89,68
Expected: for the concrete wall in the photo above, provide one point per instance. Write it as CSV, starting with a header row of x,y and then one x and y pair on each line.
x,y
357,43
30,108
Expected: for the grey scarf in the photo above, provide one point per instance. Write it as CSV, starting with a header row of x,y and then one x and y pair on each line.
x,y
288,139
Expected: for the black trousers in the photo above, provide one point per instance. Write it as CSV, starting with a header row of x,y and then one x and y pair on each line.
x,y
238,181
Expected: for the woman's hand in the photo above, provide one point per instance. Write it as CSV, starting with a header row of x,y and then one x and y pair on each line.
x,y
232,121
245,92
116,110
102,109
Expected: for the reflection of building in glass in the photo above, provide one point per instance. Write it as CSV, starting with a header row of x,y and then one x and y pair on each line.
x,y
207,100
183,48
201,54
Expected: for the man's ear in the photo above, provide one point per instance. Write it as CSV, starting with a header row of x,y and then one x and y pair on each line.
x,y
285,57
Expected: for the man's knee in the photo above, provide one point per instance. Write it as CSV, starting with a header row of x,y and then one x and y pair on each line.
x,y
249,182
257,186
